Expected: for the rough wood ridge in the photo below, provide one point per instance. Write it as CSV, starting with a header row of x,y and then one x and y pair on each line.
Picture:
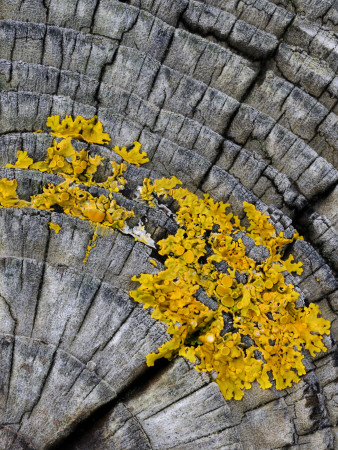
x,y
237,98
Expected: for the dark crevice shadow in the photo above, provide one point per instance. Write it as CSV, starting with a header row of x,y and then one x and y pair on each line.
x,y
88,426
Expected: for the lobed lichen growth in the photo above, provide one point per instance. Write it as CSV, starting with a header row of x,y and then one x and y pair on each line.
x,y
256,333
55,227
88,130
77,168
134,156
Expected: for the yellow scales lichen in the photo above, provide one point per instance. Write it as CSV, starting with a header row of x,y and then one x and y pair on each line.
x,y
77,168
269,331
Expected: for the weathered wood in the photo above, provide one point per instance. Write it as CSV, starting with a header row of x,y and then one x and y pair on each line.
x,y
236,98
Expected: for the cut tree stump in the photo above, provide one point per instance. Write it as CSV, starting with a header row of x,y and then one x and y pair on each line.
x,y
238,99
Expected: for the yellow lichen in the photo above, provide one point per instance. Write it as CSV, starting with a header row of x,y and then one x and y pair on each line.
x,y
116,181
63,160
265,331
79,203
73,200
92,243
134,156
162,187
23,161
54,226
89,130
269,331
8,196
76,168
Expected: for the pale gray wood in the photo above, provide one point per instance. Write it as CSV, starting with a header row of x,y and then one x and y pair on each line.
x,y
238,99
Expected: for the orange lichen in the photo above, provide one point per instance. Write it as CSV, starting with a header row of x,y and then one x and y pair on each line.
x,y
269,331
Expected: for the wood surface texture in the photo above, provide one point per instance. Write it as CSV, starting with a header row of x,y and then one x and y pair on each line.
x,y
238,99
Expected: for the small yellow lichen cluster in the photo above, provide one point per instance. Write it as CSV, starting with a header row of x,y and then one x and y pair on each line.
x,y
79,203
268,331
54,226
8,196
133,156
74,201
88,130
62,159
77,168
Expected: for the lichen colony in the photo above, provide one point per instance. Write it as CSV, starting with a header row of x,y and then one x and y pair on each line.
x,y
255,330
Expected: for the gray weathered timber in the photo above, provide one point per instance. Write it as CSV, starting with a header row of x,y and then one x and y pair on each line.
x,y
238,99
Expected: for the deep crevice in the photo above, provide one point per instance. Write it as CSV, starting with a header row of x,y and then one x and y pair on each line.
x,y
100,415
